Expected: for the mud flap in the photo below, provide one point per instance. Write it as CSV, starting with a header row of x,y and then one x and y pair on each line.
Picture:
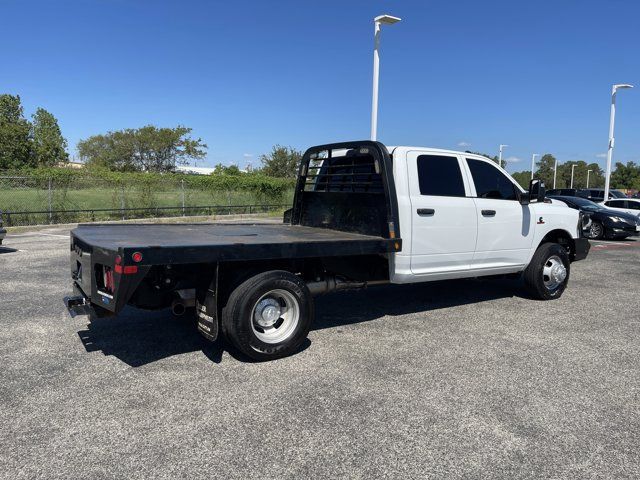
x,y
207,310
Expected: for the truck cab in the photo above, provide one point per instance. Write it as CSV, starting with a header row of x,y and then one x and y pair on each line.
x,y
462,215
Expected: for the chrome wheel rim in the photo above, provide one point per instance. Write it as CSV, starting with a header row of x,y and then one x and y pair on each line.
x,y
595,230
554,273
275,316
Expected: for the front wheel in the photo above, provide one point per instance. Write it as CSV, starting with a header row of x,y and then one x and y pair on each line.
x,y
269,315
596,231
547,275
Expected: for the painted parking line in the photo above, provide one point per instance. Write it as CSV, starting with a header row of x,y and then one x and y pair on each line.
x,y
614,246
626,240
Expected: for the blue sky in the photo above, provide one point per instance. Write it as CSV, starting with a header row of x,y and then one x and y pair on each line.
x,y
248,74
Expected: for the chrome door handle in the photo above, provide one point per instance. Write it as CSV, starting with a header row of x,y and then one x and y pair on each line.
x,y
426,212
488,213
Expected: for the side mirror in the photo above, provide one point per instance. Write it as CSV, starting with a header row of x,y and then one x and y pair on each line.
x,y
536,191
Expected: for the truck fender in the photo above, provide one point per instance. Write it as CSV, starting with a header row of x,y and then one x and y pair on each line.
x,y
558,235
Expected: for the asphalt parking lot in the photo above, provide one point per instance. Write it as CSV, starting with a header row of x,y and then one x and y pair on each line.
x,y
444,380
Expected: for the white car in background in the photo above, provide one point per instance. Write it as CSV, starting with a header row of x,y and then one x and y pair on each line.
x,y
627,205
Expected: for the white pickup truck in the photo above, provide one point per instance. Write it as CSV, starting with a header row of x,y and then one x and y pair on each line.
x,y
363,214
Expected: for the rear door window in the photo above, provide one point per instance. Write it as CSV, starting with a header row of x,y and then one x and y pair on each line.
x,y
439,175
491,182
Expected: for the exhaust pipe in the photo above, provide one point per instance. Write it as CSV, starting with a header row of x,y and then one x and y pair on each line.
x,y
184,299
178,308
330,284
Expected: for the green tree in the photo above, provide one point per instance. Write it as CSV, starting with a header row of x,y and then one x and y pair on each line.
x,y
232,170
579,175
149,149
544,169
49,146
281,162
113,151
625,176
221,169
15,134
523,178
596,176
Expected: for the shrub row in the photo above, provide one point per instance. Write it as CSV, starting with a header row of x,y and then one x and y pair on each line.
x,y
267,188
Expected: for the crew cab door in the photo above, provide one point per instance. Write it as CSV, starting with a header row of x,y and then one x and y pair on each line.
x,y
443,217
505,227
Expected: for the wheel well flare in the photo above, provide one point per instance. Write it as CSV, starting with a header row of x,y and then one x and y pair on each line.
x,y
563,238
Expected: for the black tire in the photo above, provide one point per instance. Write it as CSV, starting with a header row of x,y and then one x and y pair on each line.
x,y
239,326
534,275
596,231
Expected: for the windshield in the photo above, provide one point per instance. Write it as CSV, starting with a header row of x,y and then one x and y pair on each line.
x,y
582,204
617,194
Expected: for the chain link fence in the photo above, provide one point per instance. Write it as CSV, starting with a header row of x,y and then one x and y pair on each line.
x,y
42,201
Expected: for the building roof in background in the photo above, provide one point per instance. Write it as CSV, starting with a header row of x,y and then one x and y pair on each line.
x,y
195,170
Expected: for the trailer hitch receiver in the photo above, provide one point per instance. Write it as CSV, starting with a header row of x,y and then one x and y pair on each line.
x,y
77,305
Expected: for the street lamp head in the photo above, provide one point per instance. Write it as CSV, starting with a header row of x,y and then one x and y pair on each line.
x,y
619,86
386,19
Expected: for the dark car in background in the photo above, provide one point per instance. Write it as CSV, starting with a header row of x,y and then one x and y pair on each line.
x,y
597,194
605,223
569,192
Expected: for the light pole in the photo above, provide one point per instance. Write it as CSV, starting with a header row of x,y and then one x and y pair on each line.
x,y
533,163
573,167
500,155
588,172
555,172
378,22
612,120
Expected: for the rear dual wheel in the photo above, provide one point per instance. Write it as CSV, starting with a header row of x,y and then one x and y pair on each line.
x,y
269,315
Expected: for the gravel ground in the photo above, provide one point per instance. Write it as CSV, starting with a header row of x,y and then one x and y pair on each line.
x,y
458,379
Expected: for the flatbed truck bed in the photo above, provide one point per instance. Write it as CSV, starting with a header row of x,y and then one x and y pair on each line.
x,y
205,242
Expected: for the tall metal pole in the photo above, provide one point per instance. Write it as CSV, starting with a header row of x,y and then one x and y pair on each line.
x,y
533,163
612,119
377,23
376,74
588,172
500,155
573,167
555,173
